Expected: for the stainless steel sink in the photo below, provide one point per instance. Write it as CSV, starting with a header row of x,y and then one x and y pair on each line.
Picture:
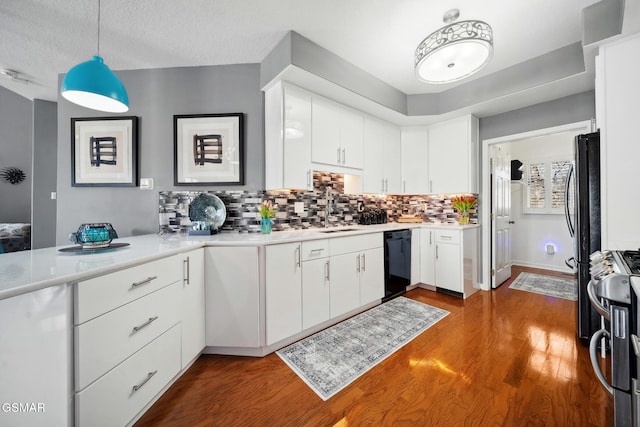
x,y
336,230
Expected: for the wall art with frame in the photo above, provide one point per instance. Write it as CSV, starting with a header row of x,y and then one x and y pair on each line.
x,y
104,151
208,149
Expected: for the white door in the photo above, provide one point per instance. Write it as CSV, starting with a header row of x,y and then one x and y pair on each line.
x,y
297,139
427,257
371,275
345,283
351,138
374,157
283,287
448,267
500,215
315,292
193,313
325,131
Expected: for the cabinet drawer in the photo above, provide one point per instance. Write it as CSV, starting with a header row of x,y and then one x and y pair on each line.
x,y
448,236
345,245
314,249
122,393
96,296
105,341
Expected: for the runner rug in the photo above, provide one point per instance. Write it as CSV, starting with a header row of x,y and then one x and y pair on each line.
x,y
547,285
333,358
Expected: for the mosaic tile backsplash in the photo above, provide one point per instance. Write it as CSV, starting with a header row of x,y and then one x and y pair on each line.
x,y
343,209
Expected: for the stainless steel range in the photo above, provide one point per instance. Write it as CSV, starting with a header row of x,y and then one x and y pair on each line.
x,y
613,291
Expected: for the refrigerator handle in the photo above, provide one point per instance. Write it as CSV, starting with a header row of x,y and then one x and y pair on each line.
x,y
567,214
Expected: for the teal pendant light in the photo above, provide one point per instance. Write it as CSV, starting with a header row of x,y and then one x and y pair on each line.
x,y
93,85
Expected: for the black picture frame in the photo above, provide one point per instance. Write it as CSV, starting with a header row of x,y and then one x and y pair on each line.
x,y
208,149
104,151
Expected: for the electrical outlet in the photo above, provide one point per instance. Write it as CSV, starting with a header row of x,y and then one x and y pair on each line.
x,y
298,207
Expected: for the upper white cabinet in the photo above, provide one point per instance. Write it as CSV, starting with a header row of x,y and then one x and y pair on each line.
x,y
617,109
336,134
414,148
381,172
288,138
452,156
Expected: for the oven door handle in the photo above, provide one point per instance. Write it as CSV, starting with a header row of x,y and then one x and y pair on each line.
x,y
601,309
593,355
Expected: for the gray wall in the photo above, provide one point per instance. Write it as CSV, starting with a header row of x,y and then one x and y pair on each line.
x,y
155,96
45,168
16,116
570,109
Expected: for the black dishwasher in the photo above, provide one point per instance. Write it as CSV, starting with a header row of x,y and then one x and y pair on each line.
x,y
397,262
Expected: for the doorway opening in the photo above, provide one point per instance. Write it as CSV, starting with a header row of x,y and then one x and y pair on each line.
x,y
488,262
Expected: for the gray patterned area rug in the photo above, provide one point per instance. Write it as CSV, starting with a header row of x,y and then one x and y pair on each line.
x,y
333,358
547,285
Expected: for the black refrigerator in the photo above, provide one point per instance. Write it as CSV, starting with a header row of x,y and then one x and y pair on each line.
x,y
586,230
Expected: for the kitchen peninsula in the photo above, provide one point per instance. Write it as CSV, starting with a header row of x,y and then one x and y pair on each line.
x,y
134,319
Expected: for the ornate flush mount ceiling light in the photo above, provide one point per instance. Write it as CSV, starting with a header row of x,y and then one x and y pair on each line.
x,y
455,51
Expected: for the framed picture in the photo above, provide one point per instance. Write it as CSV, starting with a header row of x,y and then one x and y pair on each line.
x,y
104,152
208,149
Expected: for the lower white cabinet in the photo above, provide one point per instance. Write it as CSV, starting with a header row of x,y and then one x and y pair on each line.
x,y
316,296
345,286
427,256
283,291
35,357
232,297
371,275
116,398
416,235
449,259
193,315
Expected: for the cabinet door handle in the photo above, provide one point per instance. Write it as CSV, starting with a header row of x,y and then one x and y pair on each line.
x,y
436,251
386,185
327,270
364,265
145,324
383,185
309,178
297,256
139,386
430,186
143,282
358,263
445,237
344,156
430,240
187,271
404,186
338,155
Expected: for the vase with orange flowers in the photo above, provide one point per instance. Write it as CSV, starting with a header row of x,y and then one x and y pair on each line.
x,y
464,204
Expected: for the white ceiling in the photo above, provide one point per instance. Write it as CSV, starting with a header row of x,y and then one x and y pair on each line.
x,y
44,38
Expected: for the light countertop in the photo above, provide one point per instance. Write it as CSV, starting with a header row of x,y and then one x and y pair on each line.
x,y
27,271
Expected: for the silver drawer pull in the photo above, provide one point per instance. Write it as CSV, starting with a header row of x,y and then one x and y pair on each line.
x,y
139,386
145,324
317,250
446,237
143,282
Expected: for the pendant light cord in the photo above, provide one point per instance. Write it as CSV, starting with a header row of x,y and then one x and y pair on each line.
x,y
98,27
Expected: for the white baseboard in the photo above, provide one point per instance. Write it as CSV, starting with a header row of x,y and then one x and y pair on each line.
x,y
543,266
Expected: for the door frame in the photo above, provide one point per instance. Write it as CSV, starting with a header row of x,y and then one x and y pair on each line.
x,y
485,195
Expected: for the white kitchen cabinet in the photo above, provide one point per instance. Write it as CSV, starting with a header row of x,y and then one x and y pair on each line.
x,y
452,156
415,256
427,256
336,134
414,149
283,291
371,275
345,286
232,297
455,260
193,312
316,274
35,357
357,272
381,168
617,109
288,138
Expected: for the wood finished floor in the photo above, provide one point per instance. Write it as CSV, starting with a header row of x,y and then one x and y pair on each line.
x,y
501,358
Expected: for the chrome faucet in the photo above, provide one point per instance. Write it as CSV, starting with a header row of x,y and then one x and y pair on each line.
x,y
327,207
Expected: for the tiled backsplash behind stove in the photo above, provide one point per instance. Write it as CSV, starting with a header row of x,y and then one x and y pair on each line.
x,y
243,216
